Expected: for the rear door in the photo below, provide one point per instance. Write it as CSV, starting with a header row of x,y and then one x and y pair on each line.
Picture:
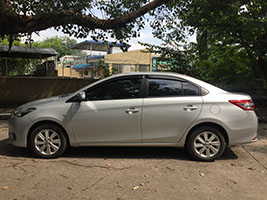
x,y
170,107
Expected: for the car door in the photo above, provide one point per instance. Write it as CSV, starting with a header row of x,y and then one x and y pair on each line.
x,y
111,113
169,109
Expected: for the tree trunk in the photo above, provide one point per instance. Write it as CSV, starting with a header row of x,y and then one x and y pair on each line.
x,y
202,43
262,63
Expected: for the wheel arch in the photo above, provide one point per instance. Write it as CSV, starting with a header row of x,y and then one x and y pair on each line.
x,y
212,124
36,124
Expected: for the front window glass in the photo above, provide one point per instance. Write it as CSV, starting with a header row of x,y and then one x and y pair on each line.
x,y
118,89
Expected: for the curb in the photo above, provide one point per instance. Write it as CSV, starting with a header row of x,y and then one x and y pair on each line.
x,y
5,116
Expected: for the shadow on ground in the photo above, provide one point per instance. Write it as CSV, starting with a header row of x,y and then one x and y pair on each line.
x,y
112,152
258,148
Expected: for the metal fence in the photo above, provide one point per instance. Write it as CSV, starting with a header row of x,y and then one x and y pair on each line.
x,y
27,67
85,67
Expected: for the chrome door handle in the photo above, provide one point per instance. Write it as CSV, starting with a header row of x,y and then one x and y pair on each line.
x,y
190,108
131,111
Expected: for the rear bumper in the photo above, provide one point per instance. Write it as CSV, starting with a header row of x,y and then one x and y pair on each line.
x,y
245,134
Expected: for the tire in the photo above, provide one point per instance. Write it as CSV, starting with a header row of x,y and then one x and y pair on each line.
x,y
205,144
47,141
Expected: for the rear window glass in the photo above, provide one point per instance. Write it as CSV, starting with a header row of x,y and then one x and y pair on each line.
x,y
190,89
164,88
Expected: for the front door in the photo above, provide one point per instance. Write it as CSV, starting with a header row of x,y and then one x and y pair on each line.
x,y
111,113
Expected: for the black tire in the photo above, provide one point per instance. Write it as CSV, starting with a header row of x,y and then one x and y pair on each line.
x,y
194,148
60,141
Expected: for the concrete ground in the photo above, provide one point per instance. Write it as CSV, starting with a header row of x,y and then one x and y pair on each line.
x,y
133,173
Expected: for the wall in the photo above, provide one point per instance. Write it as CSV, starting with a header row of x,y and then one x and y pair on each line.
x,y
130,57
68,72
15,91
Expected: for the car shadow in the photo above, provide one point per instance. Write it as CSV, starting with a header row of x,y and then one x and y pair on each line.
x,y
112,152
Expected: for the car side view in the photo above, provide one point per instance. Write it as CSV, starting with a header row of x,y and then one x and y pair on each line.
x,y
137,109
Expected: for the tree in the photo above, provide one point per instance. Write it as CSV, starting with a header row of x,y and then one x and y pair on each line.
x,y
175,59
76,17
226,65
59,44
241,24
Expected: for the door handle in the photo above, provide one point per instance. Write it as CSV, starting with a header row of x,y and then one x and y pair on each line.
x,y
131,111
190,108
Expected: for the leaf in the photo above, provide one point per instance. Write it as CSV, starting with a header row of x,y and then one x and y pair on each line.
x,y
135,187
5,188
201,174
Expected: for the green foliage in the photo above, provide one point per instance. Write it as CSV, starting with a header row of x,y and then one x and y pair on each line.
x,y
175,58
101,65
226,65
16,42
83,17
235,23
18,66
231,39
59,44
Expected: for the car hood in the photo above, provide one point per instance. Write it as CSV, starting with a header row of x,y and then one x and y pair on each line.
x,y
40,102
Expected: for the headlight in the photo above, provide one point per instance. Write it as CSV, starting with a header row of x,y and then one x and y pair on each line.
x,y
21,113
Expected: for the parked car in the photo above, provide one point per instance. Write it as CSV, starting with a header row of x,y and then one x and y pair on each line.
x,y
137,109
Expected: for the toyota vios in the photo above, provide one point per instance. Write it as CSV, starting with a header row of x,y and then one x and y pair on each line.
x,y
137,109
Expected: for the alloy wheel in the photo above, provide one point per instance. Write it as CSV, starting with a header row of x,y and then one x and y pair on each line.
x,y
207,144
47,142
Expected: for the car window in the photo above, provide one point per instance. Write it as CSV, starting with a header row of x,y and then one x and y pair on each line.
x,y
163,88
190,89
117,89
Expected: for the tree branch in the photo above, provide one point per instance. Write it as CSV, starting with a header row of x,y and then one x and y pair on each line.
x,y
12,23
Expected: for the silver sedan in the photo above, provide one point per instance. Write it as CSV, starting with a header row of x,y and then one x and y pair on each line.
x,y
137,109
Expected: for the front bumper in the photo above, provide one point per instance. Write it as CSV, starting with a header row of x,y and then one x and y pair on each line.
x,y
17,130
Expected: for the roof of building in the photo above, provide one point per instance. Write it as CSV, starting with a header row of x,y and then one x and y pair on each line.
x,y
82,66
26,52
97,45
94,56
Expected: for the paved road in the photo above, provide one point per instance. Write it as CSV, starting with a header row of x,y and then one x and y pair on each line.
x,y
133,173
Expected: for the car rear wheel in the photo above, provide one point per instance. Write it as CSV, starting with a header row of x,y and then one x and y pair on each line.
x,y
206,144
47,141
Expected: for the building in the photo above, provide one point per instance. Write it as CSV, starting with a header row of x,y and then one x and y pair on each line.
x,y
92,65
131,61
64,67
105,58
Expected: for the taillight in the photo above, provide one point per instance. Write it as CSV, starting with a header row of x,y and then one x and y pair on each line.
x,y
244,104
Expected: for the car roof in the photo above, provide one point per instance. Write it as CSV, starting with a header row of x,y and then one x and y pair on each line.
x,y
201,83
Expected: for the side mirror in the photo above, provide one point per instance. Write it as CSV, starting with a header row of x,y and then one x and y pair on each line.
x,y
81,96
77,98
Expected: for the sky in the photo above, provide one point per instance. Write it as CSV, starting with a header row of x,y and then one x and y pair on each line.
x,y
145,36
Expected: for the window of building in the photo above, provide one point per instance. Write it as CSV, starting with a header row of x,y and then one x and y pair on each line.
x,y
86,73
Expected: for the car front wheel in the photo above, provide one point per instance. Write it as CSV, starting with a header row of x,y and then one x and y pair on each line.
x,y
206,144
47,141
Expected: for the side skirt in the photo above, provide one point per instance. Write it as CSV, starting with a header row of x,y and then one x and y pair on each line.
x,y
127,144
